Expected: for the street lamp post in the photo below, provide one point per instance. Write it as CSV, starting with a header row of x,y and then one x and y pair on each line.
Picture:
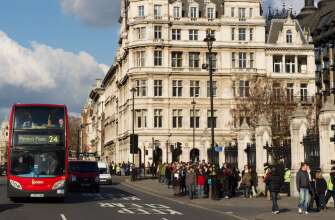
x,y
133,90
193,104
209,40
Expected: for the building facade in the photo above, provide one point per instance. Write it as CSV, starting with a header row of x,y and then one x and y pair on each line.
x,y
161,54
320,23
4,132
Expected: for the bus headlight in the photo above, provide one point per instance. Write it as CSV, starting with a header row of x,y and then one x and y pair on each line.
x,y
59,184
15,184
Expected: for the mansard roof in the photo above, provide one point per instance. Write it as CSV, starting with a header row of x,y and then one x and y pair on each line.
x,y
276,27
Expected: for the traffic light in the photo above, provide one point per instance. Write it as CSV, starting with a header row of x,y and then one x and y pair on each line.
x,y
133,143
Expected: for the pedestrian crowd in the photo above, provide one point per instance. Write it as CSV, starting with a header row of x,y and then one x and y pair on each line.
x,y
120,169
204,180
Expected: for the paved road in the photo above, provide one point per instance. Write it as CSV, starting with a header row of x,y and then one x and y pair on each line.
x,y
113,202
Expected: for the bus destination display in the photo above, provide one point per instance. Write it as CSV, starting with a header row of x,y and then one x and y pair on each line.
x,y
38,139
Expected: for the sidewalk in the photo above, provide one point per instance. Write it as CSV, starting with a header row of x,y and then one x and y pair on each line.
x,y
244,209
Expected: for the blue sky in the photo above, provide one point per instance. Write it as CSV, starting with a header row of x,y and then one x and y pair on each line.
x,y
51,51
45,21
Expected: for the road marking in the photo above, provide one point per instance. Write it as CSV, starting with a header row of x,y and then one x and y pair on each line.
x,y
140,209
63,217
152,193
164,219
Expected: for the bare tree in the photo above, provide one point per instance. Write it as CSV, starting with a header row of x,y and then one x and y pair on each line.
x,y
270,99
74,128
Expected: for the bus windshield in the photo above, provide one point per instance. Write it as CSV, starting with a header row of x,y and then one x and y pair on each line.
x,y
38,163
39,118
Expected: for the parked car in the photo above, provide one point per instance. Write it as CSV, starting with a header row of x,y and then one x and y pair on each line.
x,y
84,175
104,173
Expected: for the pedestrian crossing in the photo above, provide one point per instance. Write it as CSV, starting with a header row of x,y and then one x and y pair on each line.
x,y
111,196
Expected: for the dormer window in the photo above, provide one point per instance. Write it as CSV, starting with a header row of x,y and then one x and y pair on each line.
x,y
157,11
176,12
193,12
289,36
140,11
210,13
241,13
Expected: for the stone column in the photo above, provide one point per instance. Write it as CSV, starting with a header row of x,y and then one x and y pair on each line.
x,y
298,129
327,148
263,136
243,138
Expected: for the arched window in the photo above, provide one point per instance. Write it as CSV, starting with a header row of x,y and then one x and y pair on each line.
x,y
289,36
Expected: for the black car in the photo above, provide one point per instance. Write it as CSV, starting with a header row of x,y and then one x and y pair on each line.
x,y
84,175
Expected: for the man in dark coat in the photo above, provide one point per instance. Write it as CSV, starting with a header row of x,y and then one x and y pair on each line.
x,y
275,182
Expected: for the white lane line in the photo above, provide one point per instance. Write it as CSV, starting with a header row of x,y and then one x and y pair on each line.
x,y
164,219
63,217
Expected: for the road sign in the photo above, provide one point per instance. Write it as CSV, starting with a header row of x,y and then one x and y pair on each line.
x,y
219,149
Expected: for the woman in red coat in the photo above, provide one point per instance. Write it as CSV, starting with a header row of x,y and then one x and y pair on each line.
x,y
201,183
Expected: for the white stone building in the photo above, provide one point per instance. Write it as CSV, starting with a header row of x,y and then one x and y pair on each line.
x,y
161,52
3,141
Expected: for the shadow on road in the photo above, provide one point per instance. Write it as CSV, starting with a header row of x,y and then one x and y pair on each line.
x,y
106,194
5,207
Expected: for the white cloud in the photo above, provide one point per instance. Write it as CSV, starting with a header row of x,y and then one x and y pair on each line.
x,y
44,74
93,12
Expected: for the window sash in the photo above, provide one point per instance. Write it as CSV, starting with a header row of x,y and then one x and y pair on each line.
x,y
241,34
177,59
289,36
177,88
194,60
176,34
244,89
141,88
242,64
194,119
193,11
140,58
158,87
195,88
158,118
193,34
158,58
157,10
176,12
210,13
158,32
241,13
141,11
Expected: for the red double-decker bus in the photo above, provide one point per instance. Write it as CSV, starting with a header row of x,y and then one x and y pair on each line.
x,y
37,151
